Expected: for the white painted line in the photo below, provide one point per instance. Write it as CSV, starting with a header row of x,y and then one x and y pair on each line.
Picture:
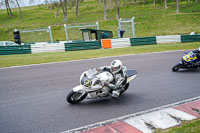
x,y
122,118
94,59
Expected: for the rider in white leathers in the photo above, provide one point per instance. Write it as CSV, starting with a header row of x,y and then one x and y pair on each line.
x,y
119,74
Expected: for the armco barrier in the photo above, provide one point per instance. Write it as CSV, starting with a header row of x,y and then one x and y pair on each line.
x,y
190,38
142,41
7,50
105,43
120,43
115,43
168,39
82,45
47,47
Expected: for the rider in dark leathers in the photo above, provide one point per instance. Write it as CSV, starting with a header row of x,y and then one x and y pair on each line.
x,y
120,77
197,52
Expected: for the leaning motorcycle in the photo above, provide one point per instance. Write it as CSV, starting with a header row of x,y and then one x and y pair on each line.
x,y
187,62
92,87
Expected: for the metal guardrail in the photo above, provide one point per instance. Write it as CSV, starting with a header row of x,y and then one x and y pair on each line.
x,y
127,21
80,26
37,30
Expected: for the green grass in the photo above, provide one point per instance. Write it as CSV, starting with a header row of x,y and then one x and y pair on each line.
x,y
27,59
149,21
186,127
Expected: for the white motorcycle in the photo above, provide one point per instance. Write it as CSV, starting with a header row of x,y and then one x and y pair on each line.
x,y
92,85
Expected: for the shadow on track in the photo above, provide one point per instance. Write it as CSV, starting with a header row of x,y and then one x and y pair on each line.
x,y
109,102
188,71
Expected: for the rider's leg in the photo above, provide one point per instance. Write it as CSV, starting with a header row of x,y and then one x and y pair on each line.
x,y
115,90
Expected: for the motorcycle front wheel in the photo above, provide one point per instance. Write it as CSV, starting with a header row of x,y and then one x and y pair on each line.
x,y
75,97
176,67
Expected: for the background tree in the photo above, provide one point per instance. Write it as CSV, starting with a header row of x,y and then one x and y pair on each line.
x,y
166,4
77,7
64,7
47,3
20,13
177,6
111,4
105,11
9,11
55,6
117,3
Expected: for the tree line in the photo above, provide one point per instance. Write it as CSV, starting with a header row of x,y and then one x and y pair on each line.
x,y
7,3
65,4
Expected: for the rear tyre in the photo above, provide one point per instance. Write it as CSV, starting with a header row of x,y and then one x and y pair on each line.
x,y
176,68
125,88
75,97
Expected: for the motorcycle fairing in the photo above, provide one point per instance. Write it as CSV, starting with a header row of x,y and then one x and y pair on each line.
x,y
82,88
79,88
189,57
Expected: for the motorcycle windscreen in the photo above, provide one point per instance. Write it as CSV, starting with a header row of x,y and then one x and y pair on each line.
x,y
131,72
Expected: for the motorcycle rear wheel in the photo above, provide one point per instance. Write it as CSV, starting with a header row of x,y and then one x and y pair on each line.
x,y
125,88
75,97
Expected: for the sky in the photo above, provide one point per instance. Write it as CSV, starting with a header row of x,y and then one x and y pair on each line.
x,y
28,3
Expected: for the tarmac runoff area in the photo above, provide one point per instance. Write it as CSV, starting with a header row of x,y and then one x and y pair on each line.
x,y
147,121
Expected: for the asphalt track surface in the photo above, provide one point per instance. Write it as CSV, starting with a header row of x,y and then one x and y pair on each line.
x,y
32,98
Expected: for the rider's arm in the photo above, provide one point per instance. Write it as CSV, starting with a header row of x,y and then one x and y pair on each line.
x,y
122,78
195,51
103,68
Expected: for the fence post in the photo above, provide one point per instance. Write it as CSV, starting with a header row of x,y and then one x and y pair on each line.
x,y
97,23
66,32
133,26
50,34
120,26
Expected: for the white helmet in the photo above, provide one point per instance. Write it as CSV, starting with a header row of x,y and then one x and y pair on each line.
x,y
116,66
199,49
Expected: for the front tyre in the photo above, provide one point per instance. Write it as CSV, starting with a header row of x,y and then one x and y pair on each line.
x,y
176,68
75,97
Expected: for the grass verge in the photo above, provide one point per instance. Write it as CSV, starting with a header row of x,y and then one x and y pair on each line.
x,y
27,59
185,127
149,20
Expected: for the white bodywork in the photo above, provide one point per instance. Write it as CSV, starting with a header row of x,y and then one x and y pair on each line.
x,y
96,90
105,76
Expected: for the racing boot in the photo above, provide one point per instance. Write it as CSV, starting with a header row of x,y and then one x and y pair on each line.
x,y
116,94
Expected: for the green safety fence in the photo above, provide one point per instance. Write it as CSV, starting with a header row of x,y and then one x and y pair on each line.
x,y
82,45
142,41
8,50
190,38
